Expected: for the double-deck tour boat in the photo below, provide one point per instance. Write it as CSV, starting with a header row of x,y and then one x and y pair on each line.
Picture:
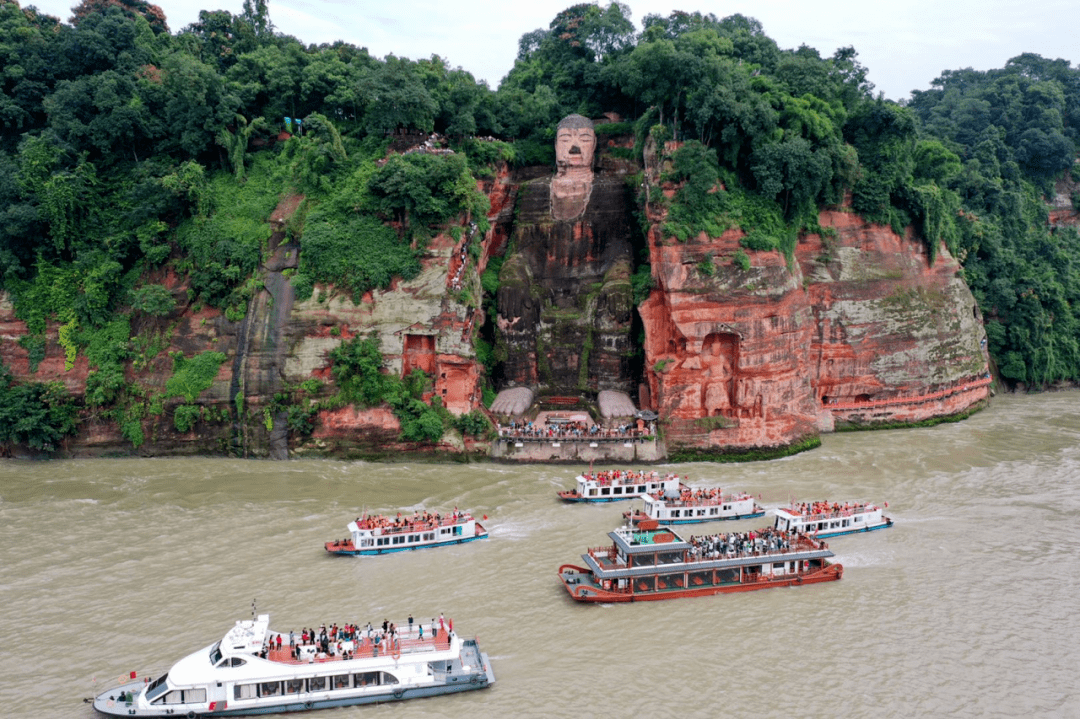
x,y
378,534
617,484
696,505
825,519
248,672
650,563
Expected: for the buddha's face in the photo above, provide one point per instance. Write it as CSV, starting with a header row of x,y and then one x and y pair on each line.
x,y
574,147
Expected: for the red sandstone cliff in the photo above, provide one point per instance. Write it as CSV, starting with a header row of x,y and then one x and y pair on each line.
x,y
860,330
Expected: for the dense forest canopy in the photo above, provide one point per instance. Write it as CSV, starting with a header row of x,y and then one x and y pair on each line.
x,y
127,146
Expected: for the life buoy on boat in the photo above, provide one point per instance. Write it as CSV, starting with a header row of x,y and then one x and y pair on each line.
x,y
191,715
309,705
398,693
475,679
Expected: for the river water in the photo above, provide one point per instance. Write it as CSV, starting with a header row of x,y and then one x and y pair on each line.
x,y
969,606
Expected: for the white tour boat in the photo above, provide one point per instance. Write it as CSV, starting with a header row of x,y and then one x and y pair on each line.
x,y
378,534
692,506
825,519
244,674
617,484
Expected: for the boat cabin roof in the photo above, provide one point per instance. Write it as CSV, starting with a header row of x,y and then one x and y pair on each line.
x,y
642,541
246,637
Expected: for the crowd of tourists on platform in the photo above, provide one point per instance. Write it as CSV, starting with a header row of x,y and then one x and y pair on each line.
x,y
572,430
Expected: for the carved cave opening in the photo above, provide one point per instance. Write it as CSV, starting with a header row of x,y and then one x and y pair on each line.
x,y
418,353
720,363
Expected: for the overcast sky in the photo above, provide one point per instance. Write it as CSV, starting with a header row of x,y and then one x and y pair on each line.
x,y
904,44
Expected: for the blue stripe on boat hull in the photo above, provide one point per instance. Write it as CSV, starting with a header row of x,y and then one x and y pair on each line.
x,y
861,530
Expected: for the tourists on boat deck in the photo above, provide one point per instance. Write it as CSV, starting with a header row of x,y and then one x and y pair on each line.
x,y
740,544
811,509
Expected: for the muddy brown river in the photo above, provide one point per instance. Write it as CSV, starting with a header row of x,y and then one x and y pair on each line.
x,y
968,607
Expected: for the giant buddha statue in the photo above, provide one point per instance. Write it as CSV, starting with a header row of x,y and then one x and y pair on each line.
x,y
565,300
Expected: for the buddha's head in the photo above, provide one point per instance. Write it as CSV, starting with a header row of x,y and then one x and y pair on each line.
x,y
575,142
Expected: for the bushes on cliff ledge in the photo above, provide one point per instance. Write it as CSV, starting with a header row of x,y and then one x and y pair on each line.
x,y
35,414
357,366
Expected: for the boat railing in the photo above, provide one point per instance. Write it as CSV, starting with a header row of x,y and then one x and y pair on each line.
x,y
609,552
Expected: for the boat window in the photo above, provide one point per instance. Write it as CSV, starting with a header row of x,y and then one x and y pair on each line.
x,y
365,543
366,679
446,530
675,512
316,684
713,510
604,491
644,560
457,531
383,541
701,513
215,654
399,539
157,688
270,689
388,678
429,536
294,686
858,519
414,538
641,488
183,696
341,681
245,691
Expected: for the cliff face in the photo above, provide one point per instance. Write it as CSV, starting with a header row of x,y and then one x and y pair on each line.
x,y
860,329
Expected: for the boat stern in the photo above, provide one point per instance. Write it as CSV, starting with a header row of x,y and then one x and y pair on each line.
x,y
340,546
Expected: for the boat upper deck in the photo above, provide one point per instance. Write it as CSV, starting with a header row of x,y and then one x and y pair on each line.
x,y
343,649
710,497
649,551
814,511
615,478
419,521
